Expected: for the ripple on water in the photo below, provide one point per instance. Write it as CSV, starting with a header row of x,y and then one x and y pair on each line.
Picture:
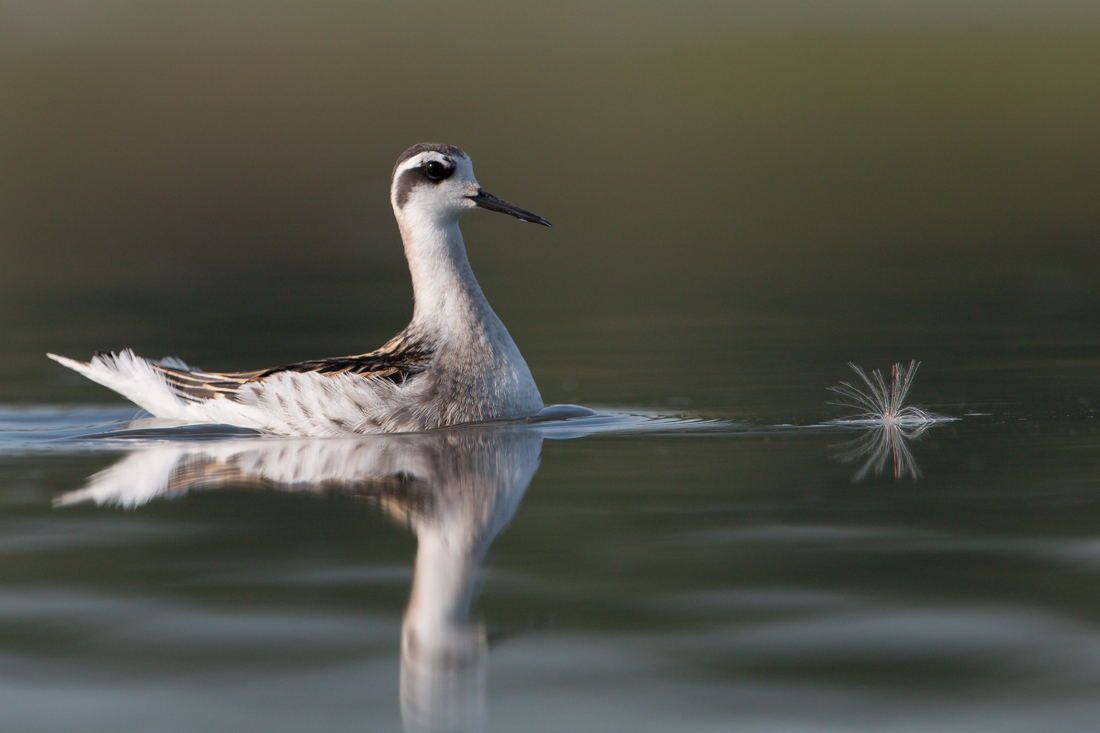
x,y
50,427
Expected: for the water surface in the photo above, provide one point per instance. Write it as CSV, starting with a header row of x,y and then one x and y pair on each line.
x,y
660,575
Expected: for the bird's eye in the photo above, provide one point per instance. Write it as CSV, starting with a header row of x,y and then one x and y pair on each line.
x,y
435,170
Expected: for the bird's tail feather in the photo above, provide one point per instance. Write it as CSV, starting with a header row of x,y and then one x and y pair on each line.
x,y
133,377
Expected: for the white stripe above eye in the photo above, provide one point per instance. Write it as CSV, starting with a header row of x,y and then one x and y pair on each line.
x,y
418,160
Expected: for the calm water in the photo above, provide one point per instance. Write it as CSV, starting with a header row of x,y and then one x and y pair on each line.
x,y
643,574
744,200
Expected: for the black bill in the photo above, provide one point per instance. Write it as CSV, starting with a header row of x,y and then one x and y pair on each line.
x,y
486,200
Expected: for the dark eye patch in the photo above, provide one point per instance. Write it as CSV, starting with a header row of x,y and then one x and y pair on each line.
x,y
432,171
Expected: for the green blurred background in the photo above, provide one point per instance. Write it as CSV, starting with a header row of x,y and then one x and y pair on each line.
x,y
744,195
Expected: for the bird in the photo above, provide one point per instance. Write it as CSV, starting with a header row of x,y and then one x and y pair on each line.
x,y
454,363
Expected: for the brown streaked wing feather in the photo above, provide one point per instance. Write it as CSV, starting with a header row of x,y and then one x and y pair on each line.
x,y
398,360
199,386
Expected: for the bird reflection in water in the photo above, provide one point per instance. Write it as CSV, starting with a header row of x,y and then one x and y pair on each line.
x,y
455,489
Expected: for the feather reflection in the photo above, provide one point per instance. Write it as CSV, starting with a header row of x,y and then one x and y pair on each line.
x,y
455,489
880,446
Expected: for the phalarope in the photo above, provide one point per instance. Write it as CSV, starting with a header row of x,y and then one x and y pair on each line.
x,y
453,363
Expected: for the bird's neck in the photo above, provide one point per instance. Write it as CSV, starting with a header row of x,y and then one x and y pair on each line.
x,y
448,299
